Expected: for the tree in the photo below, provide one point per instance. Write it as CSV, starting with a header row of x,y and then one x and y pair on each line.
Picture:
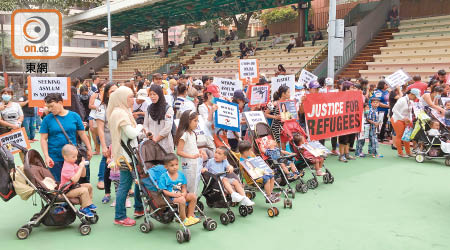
x,y
279,15
240,21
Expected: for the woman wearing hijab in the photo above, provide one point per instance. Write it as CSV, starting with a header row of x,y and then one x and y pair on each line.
x,y
123,128
159,119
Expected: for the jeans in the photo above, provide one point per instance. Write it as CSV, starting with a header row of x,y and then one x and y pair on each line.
x,y
125,184
101,169
383,126
263,36
373,142
394,23
359,147
56,170
289,47
28,124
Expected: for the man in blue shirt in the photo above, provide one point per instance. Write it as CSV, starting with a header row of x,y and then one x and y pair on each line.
x,y
382,94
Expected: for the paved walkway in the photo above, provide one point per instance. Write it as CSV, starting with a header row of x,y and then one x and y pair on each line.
x,y
387,203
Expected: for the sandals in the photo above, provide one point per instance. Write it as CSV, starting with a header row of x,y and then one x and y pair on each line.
x,y
106,199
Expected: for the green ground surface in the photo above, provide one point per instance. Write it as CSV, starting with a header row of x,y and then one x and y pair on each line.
x,y
387,203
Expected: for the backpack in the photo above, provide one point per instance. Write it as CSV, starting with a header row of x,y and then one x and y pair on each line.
x,y
7,191
140,118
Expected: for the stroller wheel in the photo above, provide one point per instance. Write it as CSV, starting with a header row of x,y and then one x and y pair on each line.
x,y
271,212
250,209
187,235
277,212
180,236
331,179
94,220
22,233
326,179
210,225
243,210
420,158
231,216
224,219
290,204
253,195
146,227
285,203
447,162
316,183
84,229
310,184
292,191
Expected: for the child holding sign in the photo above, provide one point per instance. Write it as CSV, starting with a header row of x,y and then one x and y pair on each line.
x,y
187,149
317,161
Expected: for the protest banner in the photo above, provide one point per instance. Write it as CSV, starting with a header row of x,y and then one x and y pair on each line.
x,y
40,87
249,70
288,110
18,136
305,78
253,118
227,116
259,95
398,78
288,80
256,167
227,86
316,148
333,114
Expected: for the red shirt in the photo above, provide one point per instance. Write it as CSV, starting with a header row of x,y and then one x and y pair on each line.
x,y
67,172
419,85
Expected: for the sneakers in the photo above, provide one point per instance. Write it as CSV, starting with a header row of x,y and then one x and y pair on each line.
x,y
320,173
100,185
191,221
127,222
334,152
113,204
377,156
273,198
343,159
247,202
86,212
128,203
138,214
106,199
349,157
92,207
235,197
404,156
361,155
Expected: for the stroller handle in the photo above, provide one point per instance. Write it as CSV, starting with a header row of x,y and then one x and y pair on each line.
x,y
13,144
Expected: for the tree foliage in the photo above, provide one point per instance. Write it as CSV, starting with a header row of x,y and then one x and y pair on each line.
x,y
240,21
279,15
61,5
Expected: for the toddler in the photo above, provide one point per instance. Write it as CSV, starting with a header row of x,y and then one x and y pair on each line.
x,y
364,134
434,128
245,148
173,183
219,164
275,153
447,108
317,161
73,172
373,119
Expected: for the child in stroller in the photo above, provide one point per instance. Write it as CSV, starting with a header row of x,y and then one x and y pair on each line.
x,y
276,154
434,145
299,140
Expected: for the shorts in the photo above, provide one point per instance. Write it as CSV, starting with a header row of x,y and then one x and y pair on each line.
x,y
94,123
266,178
346,139
231,177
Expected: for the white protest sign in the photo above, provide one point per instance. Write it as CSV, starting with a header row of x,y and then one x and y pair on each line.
x,y
288,80
305,78
227,116
227,86
259,95
40,87
201,126
254,117
398,78
249,70
18,136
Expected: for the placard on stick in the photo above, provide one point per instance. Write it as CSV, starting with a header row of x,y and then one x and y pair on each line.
x,y
398,78
40,87
305,78
227,116
18,136
288,80
288,110
249,70
259,95
227,86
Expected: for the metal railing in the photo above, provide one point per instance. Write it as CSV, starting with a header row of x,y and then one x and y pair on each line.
x,y
342,61
314,59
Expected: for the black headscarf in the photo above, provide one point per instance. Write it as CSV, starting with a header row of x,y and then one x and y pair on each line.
x,y
157,110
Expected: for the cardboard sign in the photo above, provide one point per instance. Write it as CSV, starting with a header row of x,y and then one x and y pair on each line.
x,y
201,129
397,79
249,70
40,87
227,116
256,167
227,86
333,114
305,78
18,136
253,118
288,110
316,148
259,95
287,80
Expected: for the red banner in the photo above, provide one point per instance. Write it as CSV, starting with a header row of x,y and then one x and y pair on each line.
x,y
333,114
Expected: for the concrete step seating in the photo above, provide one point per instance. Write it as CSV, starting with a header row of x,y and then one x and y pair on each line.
x,y
424,20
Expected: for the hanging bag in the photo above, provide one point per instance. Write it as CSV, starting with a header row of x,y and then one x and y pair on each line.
x,y
82,151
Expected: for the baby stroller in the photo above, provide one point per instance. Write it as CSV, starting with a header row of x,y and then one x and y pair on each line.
x,y
156,204
289,129
57,209
260,136
430,146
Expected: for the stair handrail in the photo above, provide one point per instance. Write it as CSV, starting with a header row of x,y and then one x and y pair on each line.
x,y
342,61
312,60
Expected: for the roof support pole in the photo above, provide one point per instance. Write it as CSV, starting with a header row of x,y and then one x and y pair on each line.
x,y
110,55
331,36
301,20
165,38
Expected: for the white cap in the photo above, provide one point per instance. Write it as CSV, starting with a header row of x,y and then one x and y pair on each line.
x,y
329,81
142,95
198,82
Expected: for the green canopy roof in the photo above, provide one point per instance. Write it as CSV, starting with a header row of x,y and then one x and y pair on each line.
x,y
146,15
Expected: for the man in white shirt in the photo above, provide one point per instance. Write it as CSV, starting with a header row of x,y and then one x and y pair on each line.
x,y
276,40
140,106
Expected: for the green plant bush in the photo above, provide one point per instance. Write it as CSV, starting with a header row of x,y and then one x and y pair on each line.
x,y
279,15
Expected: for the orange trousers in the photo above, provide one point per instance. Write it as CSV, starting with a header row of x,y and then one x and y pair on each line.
x,y
399,127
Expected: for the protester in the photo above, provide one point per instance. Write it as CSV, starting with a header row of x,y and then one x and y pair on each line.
x,y
11,114
431,100
345,140
53,138
280,70
94,103
158,120
382,93
140,105
29,119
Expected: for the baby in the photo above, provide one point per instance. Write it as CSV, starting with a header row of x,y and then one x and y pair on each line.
x,y
219,164
317,161
72,172
434,128
276,153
